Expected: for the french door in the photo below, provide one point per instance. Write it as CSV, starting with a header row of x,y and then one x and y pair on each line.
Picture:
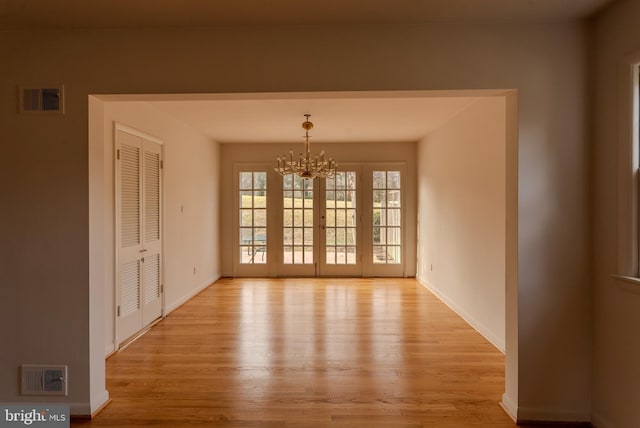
x,y
138,231
321,226
349,225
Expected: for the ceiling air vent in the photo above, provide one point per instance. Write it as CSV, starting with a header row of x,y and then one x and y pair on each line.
x,y
44,380
48,99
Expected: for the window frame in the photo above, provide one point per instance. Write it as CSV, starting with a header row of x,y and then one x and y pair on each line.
x,y
628,199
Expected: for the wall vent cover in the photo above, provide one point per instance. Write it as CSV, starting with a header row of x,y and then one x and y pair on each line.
x,y
43,380
47,99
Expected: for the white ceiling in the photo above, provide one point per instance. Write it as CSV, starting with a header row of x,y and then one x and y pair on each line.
x,y
194,13
341,119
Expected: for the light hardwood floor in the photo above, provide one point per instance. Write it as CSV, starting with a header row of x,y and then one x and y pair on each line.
x,y
308,353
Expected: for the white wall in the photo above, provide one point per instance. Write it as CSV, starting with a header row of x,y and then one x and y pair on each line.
x,y
616,379
343,153
44,169
461,206
191,204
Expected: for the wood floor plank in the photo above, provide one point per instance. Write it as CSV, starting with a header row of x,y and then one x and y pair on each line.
x,y
308,353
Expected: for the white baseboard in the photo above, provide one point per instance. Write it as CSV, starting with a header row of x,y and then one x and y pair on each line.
x,y
477,325
510,407
182,300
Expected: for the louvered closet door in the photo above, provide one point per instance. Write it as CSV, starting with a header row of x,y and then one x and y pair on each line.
x,y
138,225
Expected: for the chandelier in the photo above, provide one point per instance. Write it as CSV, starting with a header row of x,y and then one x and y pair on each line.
x,y
306,166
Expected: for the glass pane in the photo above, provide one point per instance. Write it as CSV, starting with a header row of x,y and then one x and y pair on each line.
x,y
260,255
308,218
393,217
246,199
351,180
287,237
330,183
298,257
297,236
393,236
379,198
287,199
260,218
377,216
340,197
287,255
331,195
393,197
330,219
350,219
260,180
377,239
350,198
260,199
260,236
379,254
246,218
308,255
287,182
308,184
308,199
351,236
330,236
330,256
379,180
246,255
308,236
288,218
246,236
393,179
393,254
246,180
351,255
340,236
297,218
298,183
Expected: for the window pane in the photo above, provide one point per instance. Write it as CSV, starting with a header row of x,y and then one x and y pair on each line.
x,y
260,218
288,218
393,179
246,180
287,236
246,199
260,199
308,218
393,217
260,180
379,197
308,236
379,179
246,218
387,217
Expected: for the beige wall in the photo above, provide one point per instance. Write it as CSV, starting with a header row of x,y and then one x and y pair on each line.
x,y
616,303
344,153
461,206
191,203
44,169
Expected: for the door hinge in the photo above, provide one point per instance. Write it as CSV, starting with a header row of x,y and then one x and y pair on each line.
x,y
161,164
118,310
118,154
162,288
